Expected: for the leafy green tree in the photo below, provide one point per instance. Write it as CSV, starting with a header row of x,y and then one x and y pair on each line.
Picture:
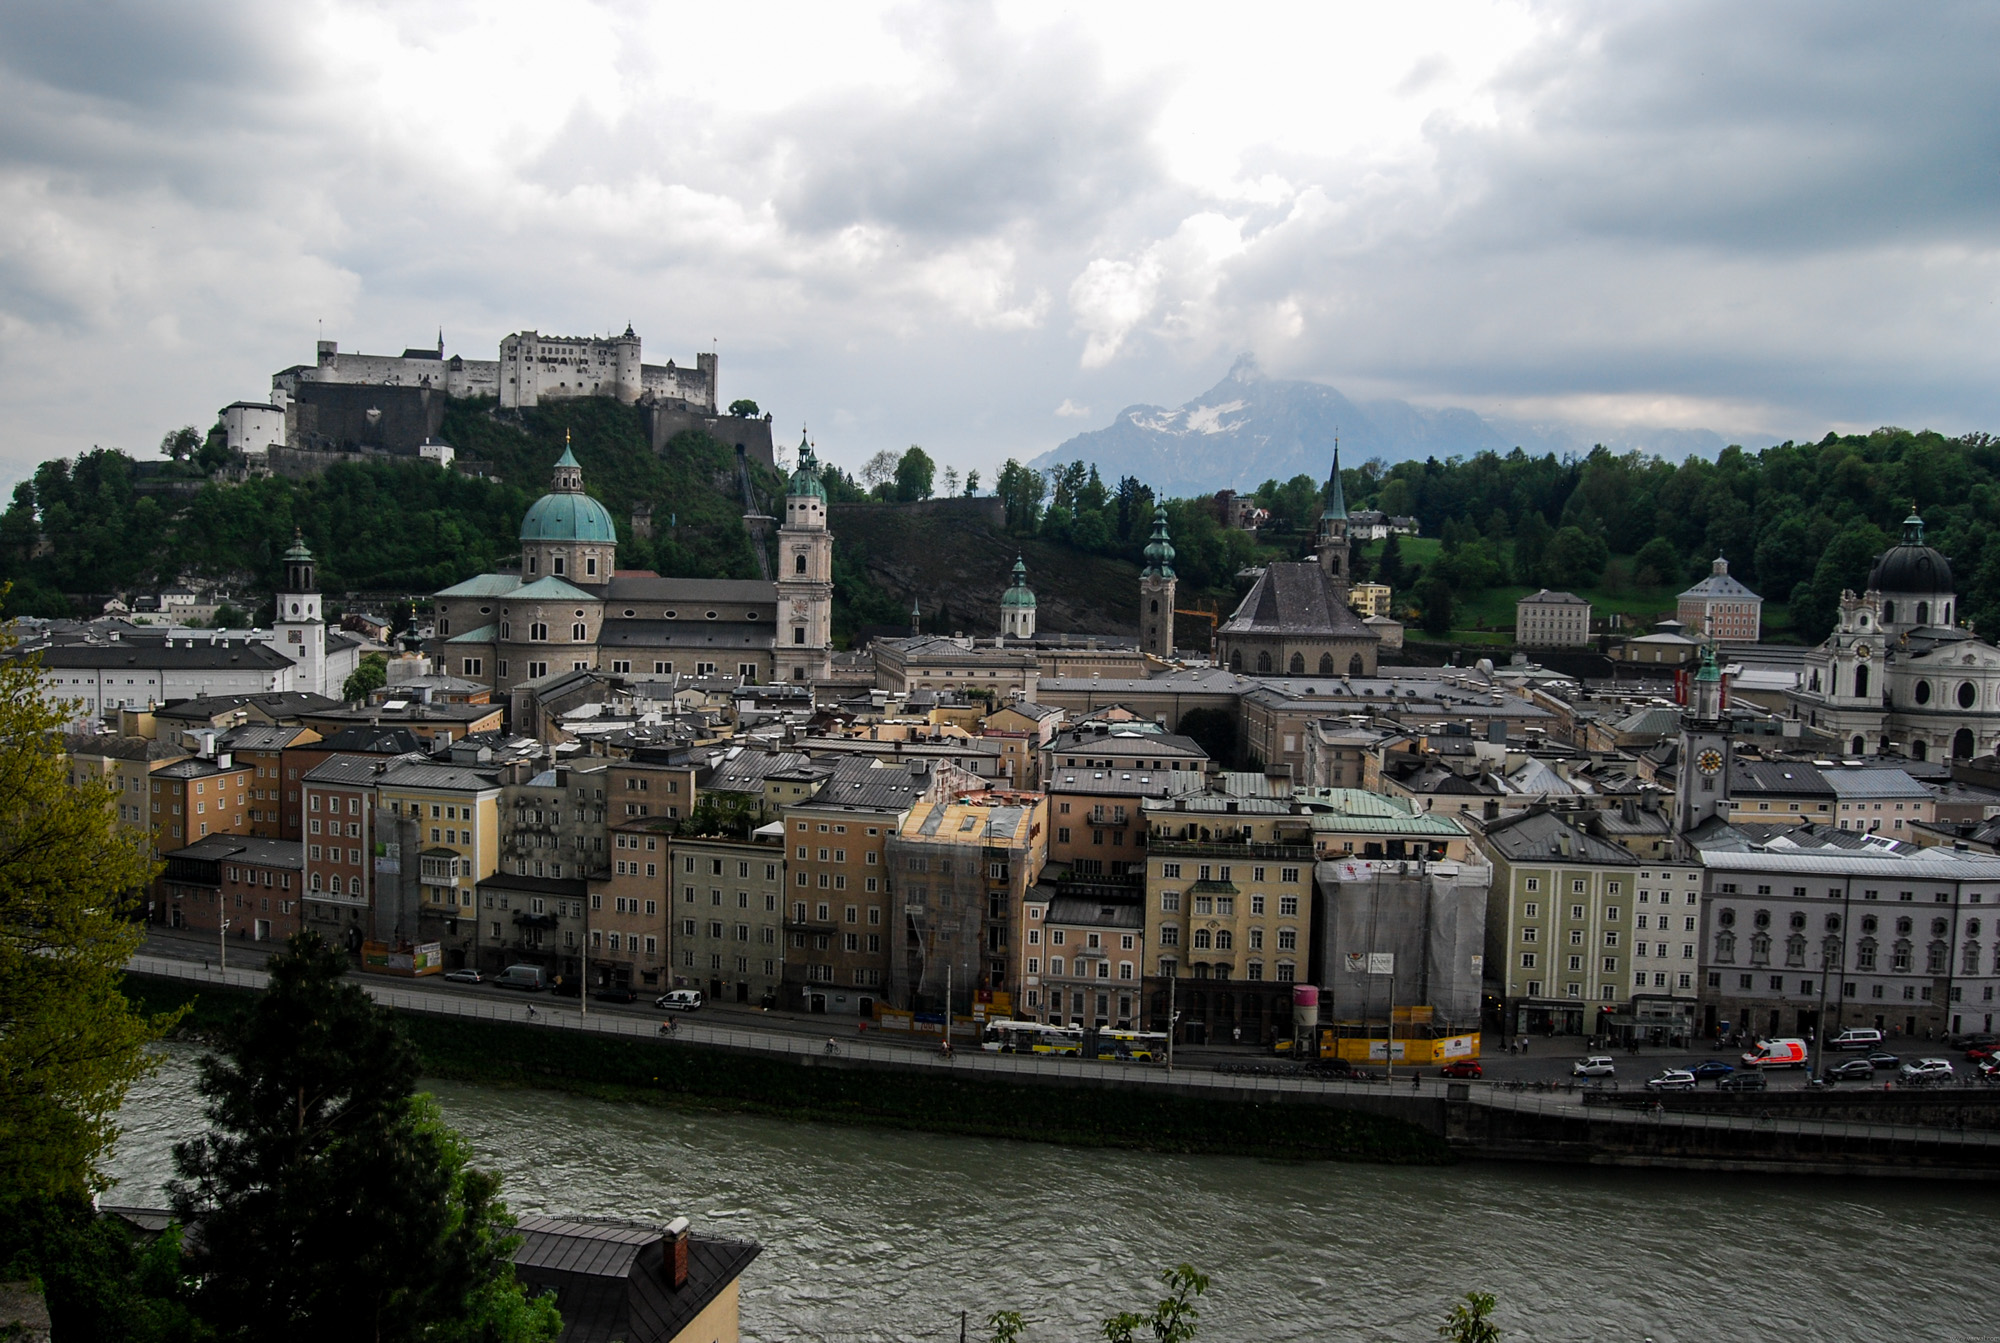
x,y
1389,564
101,1283
971,483
914,473
1531,539
1432,596
1214,730
878,473
369,676
1007,1326
180,445
1021,491
1174,1317
1294,506
1470,1321
1844,564
1574,559
333,1203
229,616
744,408
70,878
1657,562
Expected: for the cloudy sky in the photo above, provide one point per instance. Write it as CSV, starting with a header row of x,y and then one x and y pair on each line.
x,y
982,227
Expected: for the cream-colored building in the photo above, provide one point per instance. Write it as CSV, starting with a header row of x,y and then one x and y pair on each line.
x,y
1547,619
728,924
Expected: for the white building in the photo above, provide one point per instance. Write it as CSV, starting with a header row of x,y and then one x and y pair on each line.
x,y
1547,619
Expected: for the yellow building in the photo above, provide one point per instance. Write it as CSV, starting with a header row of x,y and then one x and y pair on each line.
x,y
1369,599
124,764
1228,914
457,811
961,868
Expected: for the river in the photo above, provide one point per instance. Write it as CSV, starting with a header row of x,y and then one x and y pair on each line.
x,y
872,1236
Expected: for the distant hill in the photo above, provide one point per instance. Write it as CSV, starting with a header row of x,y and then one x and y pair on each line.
x,y
1249,428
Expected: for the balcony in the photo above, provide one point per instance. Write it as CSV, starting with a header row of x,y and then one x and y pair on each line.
x,y
1162,847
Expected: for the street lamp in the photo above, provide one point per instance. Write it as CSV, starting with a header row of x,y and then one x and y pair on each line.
x,y
222,941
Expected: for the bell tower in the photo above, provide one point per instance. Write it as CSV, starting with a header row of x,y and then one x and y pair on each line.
x,y
1331,546
1704,750
1156,591
804,647
299,632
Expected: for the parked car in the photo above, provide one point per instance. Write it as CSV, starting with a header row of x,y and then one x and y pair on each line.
x,y
1926,1070
565,986
1976,1053
465,976
1882,1058
1597,1065
1708,1068
1976,1039
680,1000
1673,1079
1857,1038
529,978
1746,1081
1853,1070
1462,1068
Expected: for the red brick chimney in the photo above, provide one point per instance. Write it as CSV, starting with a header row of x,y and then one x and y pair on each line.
x,y
676,1247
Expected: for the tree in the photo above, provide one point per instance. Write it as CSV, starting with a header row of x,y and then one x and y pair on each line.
x,y
70,878
229,617
1389,565
180,445
879,470
371,675
971,483
1574,559
1021,491
1531,538
333,1202
1214,730
744,408
950,481
1433,598
914,473
1007,1326
1657,562
1469,1320
1174,1317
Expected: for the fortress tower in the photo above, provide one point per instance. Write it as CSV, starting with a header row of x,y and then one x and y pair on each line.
x,y
1156,591
805,577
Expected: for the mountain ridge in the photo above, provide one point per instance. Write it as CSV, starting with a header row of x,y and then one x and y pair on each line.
x,y
1249,428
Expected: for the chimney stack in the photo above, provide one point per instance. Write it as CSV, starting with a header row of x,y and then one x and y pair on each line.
x,y
676,1247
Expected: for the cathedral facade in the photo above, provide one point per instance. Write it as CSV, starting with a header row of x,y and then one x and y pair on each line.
x,y
571,608
1898,676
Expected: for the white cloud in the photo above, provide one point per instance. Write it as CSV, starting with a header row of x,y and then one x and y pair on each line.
x,y
1069,410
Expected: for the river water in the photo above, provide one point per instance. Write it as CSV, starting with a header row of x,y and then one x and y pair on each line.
x,y
871,1236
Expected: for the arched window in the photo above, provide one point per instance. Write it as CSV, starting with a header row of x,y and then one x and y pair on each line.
x,y
1298,666
1235,660
1153,606
798,564
1264,662
1326,664
1918,750
1934,958
1202,937
1888,613
1354,665
1864,954
1899,958
1972,958
1860,746
579,632
1760,949
1961,744
538,632
1725,946
1861,683
1923,613
1224,939
1795,949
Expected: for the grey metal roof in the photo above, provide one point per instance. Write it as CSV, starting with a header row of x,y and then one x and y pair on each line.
x,y
1786,778
1295,597
415,774
1124,782
1092,912
1544,837
351,771
1544,597
1938,863
246,849
633,587
1874,783
222,655
859,784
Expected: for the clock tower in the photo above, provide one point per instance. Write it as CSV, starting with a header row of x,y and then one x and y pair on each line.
x,y
1705,751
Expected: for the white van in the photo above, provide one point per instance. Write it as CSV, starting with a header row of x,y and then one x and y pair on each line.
x,y
680,1000
1776,1054
1857,1038
530,978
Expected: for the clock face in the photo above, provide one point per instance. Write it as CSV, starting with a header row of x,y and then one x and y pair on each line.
x,y
1709,762
1861,652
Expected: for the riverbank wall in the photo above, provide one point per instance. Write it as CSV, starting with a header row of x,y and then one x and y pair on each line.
x,y
849,1089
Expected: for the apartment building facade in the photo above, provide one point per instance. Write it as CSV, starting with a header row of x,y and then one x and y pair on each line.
x,y
962,866
728,917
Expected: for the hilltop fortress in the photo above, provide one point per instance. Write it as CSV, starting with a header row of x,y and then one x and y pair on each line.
x,y
345,405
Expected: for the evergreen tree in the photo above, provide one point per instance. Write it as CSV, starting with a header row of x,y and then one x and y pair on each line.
x,y
333,1203
1389,565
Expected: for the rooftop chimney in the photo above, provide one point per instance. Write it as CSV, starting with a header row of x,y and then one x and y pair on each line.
x,y
676,1248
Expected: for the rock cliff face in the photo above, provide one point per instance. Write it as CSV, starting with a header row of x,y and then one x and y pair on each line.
x,y
1249,428
953,558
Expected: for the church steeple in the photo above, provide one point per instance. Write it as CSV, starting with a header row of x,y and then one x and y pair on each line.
x,y
1157,586
1330,548
568,475
1335,493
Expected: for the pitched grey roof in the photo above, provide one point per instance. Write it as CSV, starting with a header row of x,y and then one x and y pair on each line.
x,y
653,588
1546,598
1075,909
1541,836
857,782
222,655
1295,597
245,849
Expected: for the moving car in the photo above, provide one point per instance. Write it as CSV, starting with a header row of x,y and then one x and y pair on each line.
x,y
1673,1079
1597,1065
1882,1058
465,976
1708,1068
1853,1070
680,1000
614,993
1462,1068
1787,1053
1750,1081
1857,1037
527,978
1926,1070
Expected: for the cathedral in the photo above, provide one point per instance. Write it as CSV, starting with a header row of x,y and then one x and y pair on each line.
x,y
1295,621
1898,676
570,607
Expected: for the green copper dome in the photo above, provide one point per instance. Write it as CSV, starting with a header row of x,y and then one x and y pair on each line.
x,y
805,479
1019,594
1159,550
566,513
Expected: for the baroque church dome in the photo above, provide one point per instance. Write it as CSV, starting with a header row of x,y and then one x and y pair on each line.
x,y
566,513
1911,567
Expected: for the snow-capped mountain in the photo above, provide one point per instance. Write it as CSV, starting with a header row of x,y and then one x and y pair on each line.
x,y
1249,428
